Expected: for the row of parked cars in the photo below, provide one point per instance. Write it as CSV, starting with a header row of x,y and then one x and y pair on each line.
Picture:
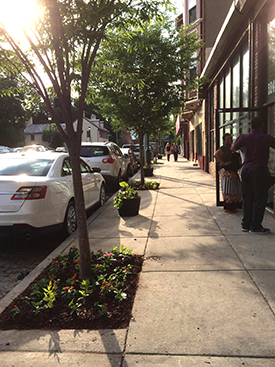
x,y
36,187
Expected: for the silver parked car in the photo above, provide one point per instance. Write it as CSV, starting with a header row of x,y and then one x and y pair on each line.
x,y
109,158
37,193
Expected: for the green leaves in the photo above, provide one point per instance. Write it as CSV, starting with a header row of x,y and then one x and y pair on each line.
x,y
128,193
140,76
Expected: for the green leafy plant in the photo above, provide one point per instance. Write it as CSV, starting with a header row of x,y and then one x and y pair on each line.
x,y
148,185
128,192
50,294
147,166
15,311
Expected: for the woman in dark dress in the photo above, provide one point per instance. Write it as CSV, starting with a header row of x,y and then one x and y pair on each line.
x,y
230,181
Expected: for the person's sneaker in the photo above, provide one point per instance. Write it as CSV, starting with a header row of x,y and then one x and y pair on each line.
x,y
245,229
260,231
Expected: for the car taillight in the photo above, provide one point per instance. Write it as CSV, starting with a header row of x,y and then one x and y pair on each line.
x,y
30,193
108,160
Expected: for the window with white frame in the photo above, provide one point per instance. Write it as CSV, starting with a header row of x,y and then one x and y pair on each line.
x,y
192,11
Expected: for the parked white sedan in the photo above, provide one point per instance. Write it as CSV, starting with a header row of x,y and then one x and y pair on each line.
x,y
36,192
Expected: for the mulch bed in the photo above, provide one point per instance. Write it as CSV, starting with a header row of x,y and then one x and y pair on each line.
x,y
56,318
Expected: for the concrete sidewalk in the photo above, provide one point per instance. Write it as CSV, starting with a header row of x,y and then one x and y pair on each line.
x,y
206,294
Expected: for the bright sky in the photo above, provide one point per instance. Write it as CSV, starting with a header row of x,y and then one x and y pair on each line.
x,y
178,4
16,13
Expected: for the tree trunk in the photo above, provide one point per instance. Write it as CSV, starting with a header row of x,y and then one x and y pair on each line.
x,y
84,245
141,152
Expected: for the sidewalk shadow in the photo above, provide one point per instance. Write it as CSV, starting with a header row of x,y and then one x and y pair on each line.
x,y
186,182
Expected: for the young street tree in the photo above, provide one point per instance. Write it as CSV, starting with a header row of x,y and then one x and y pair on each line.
x,y
142,76
65,42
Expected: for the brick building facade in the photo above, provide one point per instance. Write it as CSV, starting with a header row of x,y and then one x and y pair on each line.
x,y
240,69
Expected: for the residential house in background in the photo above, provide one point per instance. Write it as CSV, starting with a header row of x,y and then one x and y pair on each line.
x,y
93,129
33,133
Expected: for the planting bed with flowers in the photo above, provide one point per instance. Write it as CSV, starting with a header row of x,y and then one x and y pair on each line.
x,y
57,299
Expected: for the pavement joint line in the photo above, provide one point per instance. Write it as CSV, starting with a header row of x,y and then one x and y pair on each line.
x,y
150,227
204,235
261,293
197,271
201,355
249,274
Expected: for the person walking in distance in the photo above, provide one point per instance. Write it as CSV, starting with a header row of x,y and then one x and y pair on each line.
x,y
175,150
255,175
168,151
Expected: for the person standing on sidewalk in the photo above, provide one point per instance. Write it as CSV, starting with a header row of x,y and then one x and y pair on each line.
x,y
255,175
230,182
168,151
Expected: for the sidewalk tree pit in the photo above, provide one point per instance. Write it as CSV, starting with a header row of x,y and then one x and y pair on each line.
x,y
57,299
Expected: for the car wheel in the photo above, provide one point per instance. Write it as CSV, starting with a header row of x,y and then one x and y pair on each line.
x,y
70,223
102,195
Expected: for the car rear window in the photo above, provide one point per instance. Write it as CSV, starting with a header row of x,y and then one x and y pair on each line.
x,y
93,151
16,167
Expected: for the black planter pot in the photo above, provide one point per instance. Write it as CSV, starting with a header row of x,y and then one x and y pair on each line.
x,y
148,172
129,208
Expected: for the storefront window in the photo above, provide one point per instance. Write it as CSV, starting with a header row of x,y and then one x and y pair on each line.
x,y
245,81
236,84
227,99
221,99
271,61
227,90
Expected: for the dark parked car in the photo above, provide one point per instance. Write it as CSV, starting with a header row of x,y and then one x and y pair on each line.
x,y
133,160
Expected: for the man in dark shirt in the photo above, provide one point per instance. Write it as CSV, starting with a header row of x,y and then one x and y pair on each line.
x,y
255,175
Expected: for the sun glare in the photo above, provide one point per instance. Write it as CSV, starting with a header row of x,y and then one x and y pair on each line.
x,y
15,14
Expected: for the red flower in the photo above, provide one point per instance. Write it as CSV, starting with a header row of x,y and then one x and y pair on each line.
x,y
106,304
65,288
77,260
14,306
74,277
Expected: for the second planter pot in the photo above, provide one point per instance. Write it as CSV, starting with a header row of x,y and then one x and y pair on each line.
x,y
129,208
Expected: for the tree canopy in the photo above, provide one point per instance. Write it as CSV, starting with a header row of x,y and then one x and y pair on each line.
x,y
142,75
